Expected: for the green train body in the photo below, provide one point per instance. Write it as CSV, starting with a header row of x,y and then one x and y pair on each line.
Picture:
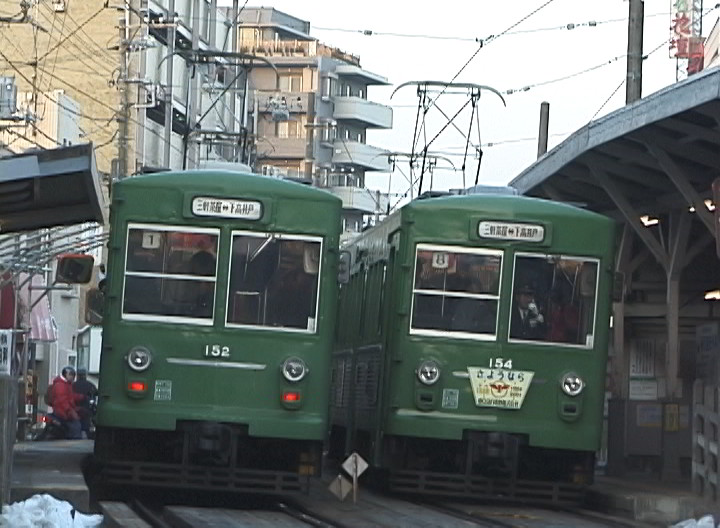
x,y
427,378
203,269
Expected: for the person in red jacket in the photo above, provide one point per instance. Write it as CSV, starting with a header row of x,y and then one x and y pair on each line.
x,y
63,402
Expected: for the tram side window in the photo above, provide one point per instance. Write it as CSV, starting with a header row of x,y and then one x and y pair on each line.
x,y
274,281
554,299
170,273
456,290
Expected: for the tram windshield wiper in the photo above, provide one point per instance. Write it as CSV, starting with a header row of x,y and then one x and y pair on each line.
x,y
262,247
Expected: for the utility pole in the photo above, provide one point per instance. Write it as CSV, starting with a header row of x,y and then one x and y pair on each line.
x,y
169,82
234,48
544,125
124,110
633,84
192,89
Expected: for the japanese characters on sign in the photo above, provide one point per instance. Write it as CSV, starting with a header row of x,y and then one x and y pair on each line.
x,y
502,388
6,348
685,29
511,231
226,208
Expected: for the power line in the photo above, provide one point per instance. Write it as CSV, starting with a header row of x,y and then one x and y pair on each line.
x,y
92,98
491,38
565,27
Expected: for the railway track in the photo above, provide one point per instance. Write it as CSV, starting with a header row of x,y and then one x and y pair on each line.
x,y
140,515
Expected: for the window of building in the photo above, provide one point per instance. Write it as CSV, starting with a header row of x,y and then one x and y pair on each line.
x,y
290,82
294,128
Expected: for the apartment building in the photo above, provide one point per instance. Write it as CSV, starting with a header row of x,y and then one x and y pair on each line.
x,y
65,45
309,111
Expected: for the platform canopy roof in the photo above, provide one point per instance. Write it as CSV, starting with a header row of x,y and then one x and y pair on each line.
x,y
54,187
659,153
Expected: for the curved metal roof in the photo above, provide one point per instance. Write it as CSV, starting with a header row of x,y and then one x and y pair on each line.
x,y
657,154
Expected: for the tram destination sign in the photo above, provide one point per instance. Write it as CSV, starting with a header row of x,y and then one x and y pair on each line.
x,y
511,231
226,208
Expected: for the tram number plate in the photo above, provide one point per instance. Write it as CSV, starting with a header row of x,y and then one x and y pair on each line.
x,y
502,388
163,390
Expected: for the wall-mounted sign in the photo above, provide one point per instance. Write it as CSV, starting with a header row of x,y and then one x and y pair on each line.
x,y
6,339
226,208
511,231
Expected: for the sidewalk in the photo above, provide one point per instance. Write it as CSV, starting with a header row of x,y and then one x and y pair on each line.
x,y
52,467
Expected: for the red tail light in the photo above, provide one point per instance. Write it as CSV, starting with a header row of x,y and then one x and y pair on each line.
x,y
291,396
137,386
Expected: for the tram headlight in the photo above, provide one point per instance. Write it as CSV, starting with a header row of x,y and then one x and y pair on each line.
x,y
139,358
294,369
572,384
428,372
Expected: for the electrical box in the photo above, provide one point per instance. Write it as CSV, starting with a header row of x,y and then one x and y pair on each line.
x,y
59,6
8,97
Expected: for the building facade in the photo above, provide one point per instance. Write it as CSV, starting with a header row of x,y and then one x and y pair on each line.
x,y
712,47
66,45
309,111
197,71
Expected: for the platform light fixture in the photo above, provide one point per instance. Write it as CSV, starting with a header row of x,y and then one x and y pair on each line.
x,y
648,220
712,295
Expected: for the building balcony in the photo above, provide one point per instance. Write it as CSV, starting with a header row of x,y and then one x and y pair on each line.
x,y
281,148
362,113
293,48
361,76
361,199
360,155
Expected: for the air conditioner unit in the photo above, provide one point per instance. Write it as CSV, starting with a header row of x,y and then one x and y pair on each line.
x,y
59,5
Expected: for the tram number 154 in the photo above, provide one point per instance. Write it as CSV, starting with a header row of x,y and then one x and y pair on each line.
x,y
500,363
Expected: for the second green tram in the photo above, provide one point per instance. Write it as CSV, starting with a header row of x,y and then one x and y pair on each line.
x,y
472,342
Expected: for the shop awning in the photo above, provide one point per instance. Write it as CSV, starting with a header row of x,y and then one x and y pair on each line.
x,y
42,324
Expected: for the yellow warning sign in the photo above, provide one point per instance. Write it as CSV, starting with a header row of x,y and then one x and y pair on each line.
x,y
500,388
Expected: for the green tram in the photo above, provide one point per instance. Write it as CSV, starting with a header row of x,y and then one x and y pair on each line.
x,y
219,317
471,346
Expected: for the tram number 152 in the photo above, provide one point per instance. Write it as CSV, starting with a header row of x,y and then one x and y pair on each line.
x,y
217,351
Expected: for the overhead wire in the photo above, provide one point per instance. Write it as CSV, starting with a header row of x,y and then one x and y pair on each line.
x,y
567,27
92,98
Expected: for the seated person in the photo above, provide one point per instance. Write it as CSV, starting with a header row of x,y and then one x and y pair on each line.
x,y
63,400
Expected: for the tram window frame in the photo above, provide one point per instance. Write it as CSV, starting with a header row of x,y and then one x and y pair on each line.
x,y
493,295
312,324
548,292
170,280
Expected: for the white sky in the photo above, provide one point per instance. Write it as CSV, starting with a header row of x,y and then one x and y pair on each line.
x,y
512,61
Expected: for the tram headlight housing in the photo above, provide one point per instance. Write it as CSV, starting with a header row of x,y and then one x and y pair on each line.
x,y
428,372
572,384
139,358
294,369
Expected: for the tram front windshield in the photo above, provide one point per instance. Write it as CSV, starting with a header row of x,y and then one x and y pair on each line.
x,y
170,273
274,281
456,290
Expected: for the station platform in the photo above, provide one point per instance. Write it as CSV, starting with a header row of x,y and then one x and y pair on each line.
x,y
647,499
56,468
52,467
